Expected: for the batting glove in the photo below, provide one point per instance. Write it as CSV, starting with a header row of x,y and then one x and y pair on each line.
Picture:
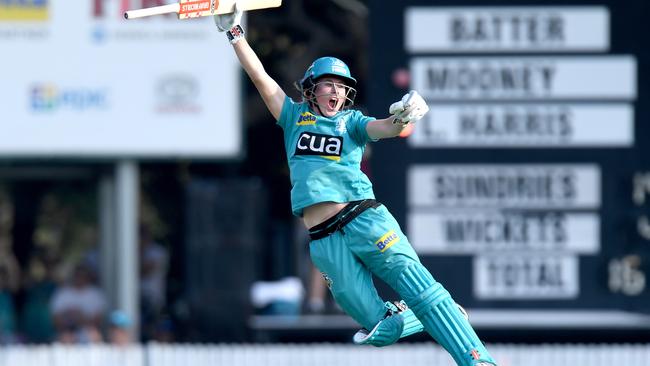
x,y
230,23
410,109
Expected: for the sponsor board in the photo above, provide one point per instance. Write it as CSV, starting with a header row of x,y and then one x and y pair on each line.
x,y
469,232
114,88
525,125
530,186
506,29
525,276
51,98
23,10
178,93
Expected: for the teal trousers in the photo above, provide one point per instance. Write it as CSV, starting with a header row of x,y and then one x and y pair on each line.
x,y
371,243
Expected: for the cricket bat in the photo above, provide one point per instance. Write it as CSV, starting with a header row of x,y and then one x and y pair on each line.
x,y
201,8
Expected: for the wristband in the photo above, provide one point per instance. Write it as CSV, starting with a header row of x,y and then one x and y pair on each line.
x,y
235,34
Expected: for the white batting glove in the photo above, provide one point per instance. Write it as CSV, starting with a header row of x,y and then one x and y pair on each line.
x,y
230,23
410,109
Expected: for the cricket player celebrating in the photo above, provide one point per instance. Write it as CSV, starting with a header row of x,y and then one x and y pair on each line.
x,y
354,236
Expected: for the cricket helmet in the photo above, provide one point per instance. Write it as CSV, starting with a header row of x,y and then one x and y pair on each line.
x,y
328,66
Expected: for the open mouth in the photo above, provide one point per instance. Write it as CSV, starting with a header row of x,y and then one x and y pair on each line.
x,y
332,103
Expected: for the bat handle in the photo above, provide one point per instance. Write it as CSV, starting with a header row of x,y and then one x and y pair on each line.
x,y
406,104
408,99
156,10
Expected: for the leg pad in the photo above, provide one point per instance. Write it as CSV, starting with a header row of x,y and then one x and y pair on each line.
x,y
441,316
385,333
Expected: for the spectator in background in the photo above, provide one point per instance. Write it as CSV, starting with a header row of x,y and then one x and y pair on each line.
x,y
40,284
78,309
9,270
119,328
91,260
153,273
7,309
164,330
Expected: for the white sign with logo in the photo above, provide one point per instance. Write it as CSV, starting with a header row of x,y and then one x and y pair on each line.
x,y
530,276
525,125
101,86
507,29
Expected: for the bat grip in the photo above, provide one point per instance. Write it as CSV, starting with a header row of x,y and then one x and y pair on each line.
x,y
407,103
156,10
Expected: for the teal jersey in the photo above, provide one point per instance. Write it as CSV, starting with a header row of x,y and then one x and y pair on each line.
x,y
324,155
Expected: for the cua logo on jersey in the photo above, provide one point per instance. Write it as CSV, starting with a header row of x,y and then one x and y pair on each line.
x,y
387,241
327,146
306,119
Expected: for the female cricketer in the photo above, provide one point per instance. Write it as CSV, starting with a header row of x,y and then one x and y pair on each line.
x,y
352,235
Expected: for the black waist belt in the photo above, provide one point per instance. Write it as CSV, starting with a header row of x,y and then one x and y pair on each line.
x,y
338,221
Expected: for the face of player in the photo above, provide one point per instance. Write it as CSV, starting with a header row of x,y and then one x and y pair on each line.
x,y
330,93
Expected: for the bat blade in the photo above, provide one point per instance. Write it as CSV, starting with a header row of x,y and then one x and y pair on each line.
x,y
202,8
187,9
197,8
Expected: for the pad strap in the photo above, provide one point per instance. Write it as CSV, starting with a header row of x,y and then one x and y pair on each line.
x,y
398,323
412,324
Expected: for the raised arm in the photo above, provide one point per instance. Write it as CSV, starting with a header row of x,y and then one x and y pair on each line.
x,y
409,109
268,88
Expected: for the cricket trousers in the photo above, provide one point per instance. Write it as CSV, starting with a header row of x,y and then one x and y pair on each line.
x,y
373,243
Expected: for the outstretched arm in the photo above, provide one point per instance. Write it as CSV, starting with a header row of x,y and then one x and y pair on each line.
x,y
410,109
269,90
384,128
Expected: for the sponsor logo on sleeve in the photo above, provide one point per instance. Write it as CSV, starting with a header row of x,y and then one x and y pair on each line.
x,y
306,119
387,241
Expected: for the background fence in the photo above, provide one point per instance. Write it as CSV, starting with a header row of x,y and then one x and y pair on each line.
x,y
317,355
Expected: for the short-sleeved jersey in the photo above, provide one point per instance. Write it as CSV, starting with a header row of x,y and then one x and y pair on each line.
x,y
324,155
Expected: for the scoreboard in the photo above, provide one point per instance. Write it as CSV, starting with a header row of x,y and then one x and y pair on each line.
x,y
527,185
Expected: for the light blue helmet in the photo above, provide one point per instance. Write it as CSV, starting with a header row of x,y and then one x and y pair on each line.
x,y
328,66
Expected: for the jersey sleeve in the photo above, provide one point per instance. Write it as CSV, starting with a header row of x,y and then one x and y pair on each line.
x,y
358,123
288,114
